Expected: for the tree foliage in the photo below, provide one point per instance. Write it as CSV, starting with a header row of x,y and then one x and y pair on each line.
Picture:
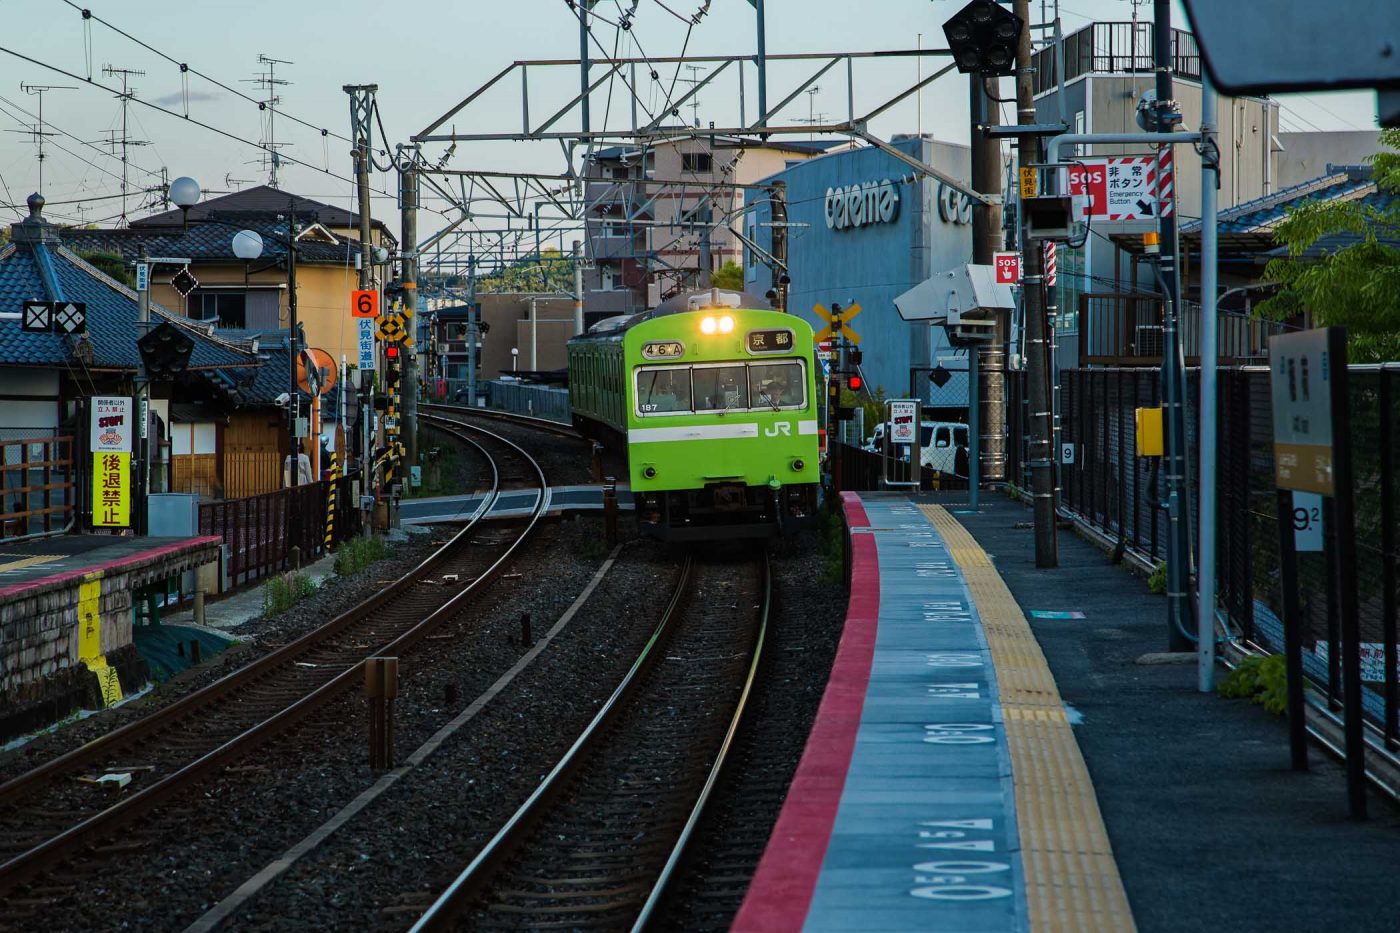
x,y
1357,286
550,271
730,276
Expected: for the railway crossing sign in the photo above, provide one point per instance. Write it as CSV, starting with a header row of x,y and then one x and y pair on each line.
x,y
837,324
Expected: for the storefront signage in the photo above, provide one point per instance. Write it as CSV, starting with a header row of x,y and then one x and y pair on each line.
x,y
954,206
860,205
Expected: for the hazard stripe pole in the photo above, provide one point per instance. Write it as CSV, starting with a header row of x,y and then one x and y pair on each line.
x,y
330,499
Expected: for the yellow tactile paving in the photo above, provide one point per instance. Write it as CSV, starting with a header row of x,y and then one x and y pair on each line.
x,y
1072,880
24,562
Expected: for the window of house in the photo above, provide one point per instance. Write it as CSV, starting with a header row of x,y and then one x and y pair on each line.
x,y
621,171
697,162
227,309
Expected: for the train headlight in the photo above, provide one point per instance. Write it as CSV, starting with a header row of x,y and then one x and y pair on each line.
x,y
726,324
709,325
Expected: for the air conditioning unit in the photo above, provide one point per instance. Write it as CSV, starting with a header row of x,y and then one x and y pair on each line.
x,y
1148,340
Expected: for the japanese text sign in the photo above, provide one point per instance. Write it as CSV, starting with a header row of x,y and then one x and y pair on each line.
x,y
111,424
1301,378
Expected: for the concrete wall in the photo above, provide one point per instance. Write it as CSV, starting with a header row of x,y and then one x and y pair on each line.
x,y
1306,156
509,318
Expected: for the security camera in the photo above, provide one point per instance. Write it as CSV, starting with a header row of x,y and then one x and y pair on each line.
x,y
283,399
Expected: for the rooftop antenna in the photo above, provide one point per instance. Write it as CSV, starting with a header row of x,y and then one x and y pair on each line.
x,y
124,140
269,82
694,78
813,117
37,132
236,184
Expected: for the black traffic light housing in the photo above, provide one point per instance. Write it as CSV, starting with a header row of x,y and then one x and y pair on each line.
x,y
165,351
983,38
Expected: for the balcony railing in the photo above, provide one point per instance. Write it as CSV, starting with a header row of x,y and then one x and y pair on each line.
x,y
1115,48
1125,329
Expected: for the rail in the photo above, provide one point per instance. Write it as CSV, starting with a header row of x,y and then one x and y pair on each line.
x,y
56,848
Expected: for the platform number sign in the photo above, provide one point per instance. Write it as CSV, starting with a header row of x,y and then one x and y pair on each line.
x,y
364,302
1067,454
1008,268
1307,522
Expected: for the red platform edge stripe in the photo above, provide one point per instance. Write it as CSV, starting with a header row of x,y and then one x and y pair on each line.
x,y
781,891
116,563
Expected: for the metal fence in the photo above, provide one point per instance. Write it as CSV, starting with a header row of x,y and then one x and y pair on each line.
x,y
36,485
1117,493
524,399
260,531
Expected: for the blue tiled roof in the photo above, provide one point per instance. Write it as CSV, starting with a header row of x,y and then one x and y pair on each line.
x,y
1263,214
204,242
20,282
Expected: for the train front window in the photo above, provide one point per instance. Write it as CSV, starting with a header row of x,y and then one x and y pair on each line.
x,y
720,388
663,390
777,385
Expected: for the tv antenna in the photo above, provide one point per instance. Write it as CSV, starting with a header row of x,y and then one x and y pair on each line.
x,y
268,82
813,117
127,93
694,78
236,184
37,131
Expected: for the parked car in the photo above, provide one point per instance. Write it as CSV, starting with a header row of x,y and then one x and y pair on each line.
x,y
940,441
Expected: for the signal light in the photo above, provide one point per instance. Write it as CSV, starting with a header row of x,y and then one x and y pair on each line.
x,y
391,352
854,383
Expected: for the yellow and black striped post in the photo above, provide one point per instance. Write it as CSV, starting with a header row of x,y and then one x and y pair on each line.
x,y
330,500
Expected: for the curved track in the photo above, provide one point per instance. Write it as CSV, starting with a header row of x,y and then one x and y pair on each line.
x,y
597,842
47,817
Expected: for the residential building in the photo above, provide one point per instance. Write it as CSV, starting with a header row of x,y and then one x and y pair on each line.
x,y
647,240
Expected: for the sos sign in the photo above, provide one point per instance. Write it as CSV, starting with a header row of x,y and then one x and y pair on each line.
x,y
1008,268
1090,180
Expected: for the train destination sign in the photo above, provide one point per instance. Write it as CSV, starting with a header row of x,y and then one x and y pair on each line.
x,y
769,341
663,350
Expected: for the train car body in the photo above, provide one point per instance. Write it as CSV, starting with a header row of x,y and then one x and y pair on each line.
x,y
716,411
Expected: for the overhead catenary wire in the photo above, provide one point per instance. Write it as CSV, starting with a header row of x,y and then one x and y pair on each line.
x,y
185,67
168,112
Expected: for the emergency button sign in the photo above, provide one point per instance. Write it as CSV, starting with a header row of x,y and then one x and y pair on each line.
x,y
1008,268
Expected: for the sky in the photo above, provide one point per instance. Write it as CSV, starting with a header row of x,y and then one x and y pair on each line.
x,y
426,56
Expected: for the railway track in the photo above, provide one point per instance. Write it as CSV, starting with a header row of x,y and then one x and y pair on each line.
x,y
597,843
47,816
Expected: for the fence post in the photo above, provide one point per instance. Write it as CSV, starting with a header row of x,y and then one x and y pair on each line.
x,y
1388,556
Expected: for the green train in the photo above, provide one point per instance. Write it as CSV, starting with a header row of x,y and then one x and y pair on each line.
x,y
715,408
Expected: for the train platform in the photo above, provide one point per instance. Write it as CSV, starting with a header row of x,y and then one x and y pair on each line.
x,y
997,749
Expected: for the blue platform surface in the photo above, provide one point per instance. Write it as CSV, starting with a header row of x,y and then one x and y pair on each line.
x,y
924,834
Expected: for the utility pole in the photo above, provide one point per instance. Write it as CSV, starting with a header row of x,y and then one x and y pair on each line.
x,y
583,7
762,67
987,237
780,252
704,259
1033,301
473,328
143,396
578,286
408,251
1173,366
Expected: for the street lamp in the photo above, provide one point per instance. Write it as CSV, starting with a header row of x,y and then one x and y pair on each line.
x,y
185,193
514,359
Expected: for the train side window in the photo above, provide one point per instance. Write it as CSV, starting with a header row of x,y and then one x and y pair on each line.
x,y
663,390
721,388
777,385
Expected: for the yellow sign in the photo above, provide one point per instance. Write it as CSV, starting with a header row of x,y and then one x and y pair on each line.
x,y
111,489
837,325
1028,182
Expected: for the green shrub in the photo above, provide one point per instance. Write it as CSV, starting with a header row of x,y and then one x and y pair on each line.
x,y
358,553
284,590
1259,680
1157,582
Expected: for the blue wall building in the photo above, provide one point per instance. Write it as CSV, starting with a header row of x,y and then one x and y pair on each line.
x,y
863,228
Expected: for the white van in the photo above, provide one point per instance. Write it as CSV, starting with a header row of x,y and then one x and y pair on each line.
x,y
939,440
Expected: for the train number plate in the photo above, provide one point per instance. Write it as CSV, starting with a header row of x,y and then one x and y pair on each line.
x,y
769,341
663,350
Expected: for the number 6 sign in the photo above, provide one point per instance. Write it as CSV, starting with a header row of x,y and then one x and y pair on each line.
x,y
364,303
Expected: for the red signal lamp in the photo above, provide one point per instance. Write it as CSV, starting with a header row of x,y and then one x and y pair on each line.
x,y
391,352
854,383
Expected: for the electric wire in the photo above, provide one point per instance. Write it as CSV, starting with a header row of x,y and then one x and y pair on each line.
x,y
186,68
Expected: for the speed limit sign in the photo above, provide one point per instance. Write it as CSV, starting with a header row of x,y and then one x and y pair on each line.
x,y
364,303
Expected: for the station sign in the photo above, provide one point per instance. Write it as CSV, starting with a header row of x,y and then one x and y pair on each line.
x,y
1301,377
366,344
